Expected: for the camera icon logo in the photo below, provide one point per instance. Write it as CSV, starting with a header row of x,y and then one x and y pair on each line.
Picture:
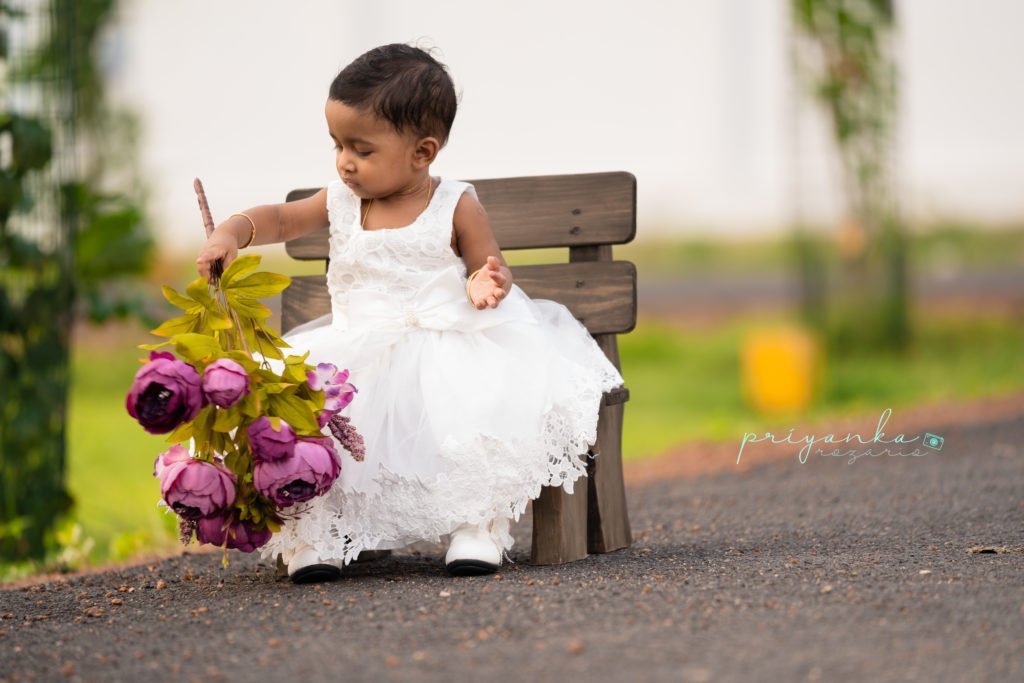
x,y
933,441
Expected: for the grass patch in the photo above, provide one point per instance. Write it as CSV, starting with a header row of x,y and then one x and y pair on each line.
x,y
685,385
110,460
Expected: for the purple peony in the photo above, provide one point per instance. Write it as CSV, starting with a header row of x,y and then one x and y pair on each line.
x,y
225,382
226,530
269,444
165,393
337,391
310,471
193,488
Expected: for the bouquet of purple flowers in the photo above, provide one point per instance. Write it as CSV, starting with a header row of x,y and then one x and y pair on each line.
x,y
257,441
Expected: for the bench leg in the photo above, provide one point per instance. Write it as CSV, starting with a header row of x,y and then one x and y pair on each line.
x,y
608,521
560,525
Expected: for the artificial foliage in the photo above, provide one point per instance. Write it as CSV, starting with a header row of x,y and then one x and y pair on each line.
x,y
257,448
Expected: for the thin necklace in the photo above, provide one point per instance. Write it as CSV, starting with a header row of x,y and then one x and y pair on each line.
x,y
430,189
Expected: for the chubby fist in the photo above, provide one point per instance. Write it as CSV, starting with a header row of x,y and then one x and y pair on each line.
x,y
487,289
217,248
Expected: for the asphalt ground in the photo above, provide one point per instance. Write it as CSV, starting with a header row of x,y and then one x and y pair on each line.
x,y
822,571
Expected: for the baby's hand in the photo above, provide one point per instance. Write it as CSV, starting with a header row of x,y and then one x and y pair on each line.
x,y
216,249
487,288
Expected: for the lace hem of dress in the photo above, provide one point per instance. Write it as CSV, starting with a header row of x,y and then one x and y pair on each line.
x,y
487,479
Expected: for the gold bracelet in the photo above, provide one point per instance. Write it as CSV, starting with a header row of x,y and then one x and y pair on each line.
x,y
252,235
469,281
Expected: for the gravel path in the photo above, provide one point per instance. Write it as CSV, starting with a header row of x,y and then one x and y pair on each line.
x,y
821,571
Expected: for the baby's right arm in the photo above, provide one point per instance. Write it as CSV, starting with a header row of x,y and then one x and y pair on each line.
x,y
272,222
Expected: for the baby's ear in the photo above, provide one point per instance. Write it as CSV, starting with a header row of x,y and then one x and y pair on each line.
x,y
426,151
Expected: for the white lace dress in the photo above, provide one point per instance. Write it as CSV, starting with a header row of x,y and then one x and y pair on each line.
x,y
466,413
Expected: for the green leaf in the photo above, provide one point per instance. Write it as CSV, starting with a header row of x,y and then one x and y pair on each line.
x,y
261,344
31,144
318,401
175,326
182,302
196,347
228,419
202,428
239,268
199,289
245,361
297,360
153,347
296,368
217,440
295,373
252,405
277,387
247,308
271,337
216,319
260,285
236,462
295,412
182,433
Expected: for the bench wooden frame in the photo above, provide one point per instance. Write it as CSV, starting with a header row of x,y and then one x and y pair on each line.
x,y
588,213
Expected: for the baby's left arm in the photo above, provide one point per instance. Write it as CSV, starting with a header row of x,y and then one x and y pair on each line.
x,y
474,242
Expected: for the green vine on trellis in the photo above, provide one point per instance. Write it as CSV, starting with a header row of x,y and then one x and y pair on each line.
x,y
68,246
845,56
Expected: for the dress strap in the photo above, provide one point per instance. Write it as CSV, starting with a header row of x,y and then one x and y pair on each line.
x,y
341,210
449,193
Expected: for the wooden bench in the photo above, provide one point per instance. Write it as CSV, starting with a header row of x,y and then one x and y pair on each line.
x,y
587,213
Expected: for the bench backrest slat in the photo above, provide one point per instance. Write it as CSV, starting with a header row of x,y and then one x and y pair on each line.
x,y
535,212
587,213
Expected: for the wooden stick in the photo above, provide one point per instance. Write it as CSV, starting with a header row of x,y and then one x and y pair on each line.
x,y
216,269
204,206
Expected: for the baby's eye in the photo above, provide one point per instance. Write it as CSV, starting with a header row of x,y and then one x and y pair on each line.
x,y
363,154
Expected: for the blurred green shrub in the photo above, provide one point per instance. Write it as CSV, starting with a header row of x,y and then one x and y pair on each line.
x,y
66,246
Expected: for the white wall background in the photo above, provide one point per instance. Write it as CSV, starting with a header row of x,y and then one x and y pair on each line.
x,y
694,97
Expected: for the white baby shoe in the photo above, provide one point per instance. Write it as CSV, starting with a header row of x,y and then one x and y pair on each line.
x,y
471,552
306,566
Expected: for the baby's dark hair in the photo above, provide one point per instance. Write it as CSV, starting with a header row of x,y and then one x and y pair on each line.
x,y
403,85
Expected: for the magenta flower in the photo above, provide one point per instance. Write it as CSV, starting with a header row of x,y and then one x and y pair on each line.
x,y
193,488
337,390
310,471
226,530
165,393
270,444
225,382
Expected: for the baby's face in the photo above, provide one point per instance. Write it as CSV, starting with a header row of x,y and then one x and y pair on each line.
x,y
372,158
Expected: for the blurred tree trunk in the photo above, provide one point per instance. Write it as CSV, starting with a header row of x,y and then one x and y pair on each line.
x,y
64,243
844,55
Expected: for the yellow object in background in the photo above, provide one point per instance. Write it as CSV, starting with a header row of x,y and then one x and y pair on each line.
x,y
780,369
